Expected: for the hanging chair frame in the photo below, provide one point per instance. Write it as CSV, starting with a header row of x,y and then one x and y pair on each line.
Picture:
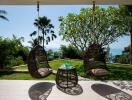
x,y
33,68
38,53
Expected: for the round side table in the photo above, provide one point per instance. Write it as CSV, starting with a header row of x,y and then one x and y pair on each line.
x,y
66,78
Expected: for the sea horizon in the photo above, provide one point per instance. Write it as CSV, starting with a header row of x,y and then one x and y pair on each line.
x,y
113,51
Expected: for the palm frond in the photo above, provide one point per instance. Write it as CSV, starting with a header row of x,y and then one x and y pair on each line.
x,y
46,42
48,39
3,17
3,12
31,42
45,26
33,33
53,36
52,31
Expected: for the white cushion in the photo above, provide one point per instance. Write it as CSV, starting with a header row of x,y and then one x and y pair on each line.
x,y
99,72
44,71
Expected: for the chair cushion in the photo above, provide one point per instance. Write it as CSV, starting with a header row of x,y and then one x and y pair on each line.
x,y
44,71
99,72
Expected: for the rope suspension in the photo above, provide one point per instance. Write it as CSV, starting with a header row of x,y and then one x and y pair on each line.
x,y
38,6
38,65
93,11
93,6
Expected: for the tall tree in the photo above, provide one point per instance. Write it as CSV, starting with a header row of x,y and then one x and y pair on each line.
x,y
2,15
126,10
81,31
46,28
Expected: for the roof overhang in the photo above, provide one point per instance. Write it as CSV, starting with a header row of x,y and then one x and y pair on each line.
x,y
65,2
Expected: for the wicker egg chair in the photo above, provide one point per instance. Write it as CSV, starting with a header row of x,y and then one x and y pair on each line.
x,y
37,63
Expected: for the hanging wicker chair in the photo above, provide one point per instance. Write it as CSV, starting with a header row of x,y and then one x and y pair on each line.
x,y
37,63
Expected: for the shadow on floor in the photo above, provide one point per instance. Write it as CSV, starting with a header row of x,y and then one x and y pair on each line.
x,y
124,84
77,90
40,91
111,93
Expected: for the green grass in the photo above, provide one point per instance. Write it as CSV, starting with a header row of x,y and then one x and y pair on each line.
x,y
26,76
118,71
75,62
22,67
57,63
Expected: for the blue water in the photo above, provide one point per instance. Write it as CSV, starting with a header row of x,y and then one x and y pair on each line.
x,y
54,49
113,51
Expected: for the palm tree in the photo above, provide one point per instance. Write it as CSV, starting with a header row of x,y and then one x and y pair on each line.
x,y
35,41
46,28
2,15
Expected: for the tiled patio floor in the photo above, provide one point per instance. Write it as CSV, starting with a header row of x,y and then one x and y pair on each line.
x,y
47,90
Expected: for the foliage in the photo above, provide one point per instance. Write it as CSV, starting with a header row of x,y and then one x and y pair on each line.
x,y
51,55
86,28
35,41
124,58
23,52
11,50
16,61
4,51
70,52
126,11
56,54
101,27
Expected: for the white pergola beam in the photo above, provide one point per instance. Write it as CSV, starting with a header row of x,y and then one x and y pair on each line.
x,y
65,2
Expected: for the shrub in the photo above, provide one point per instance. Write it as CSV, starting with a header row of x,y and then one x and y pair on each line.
x,y
16,61
70,52
10,52
80,70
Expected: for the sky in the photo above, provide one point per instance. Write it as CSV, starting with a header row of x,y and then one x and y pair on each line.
x,y
21,19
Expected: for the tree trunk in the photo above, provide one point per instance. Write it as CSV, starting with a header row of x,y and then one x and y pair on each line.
x,y
43,40
131,46
86,63
1,66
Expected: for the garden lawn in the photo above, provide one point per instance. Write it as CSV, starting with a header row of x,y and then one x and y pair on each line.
x,y
117,71
55,64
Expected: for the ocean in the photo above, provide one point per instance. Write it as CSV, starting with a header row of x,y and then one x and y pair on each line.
x,y
113,51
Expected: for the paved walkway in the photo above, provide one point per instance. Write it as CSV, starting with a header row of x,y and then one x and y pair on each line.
x,y
47,90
